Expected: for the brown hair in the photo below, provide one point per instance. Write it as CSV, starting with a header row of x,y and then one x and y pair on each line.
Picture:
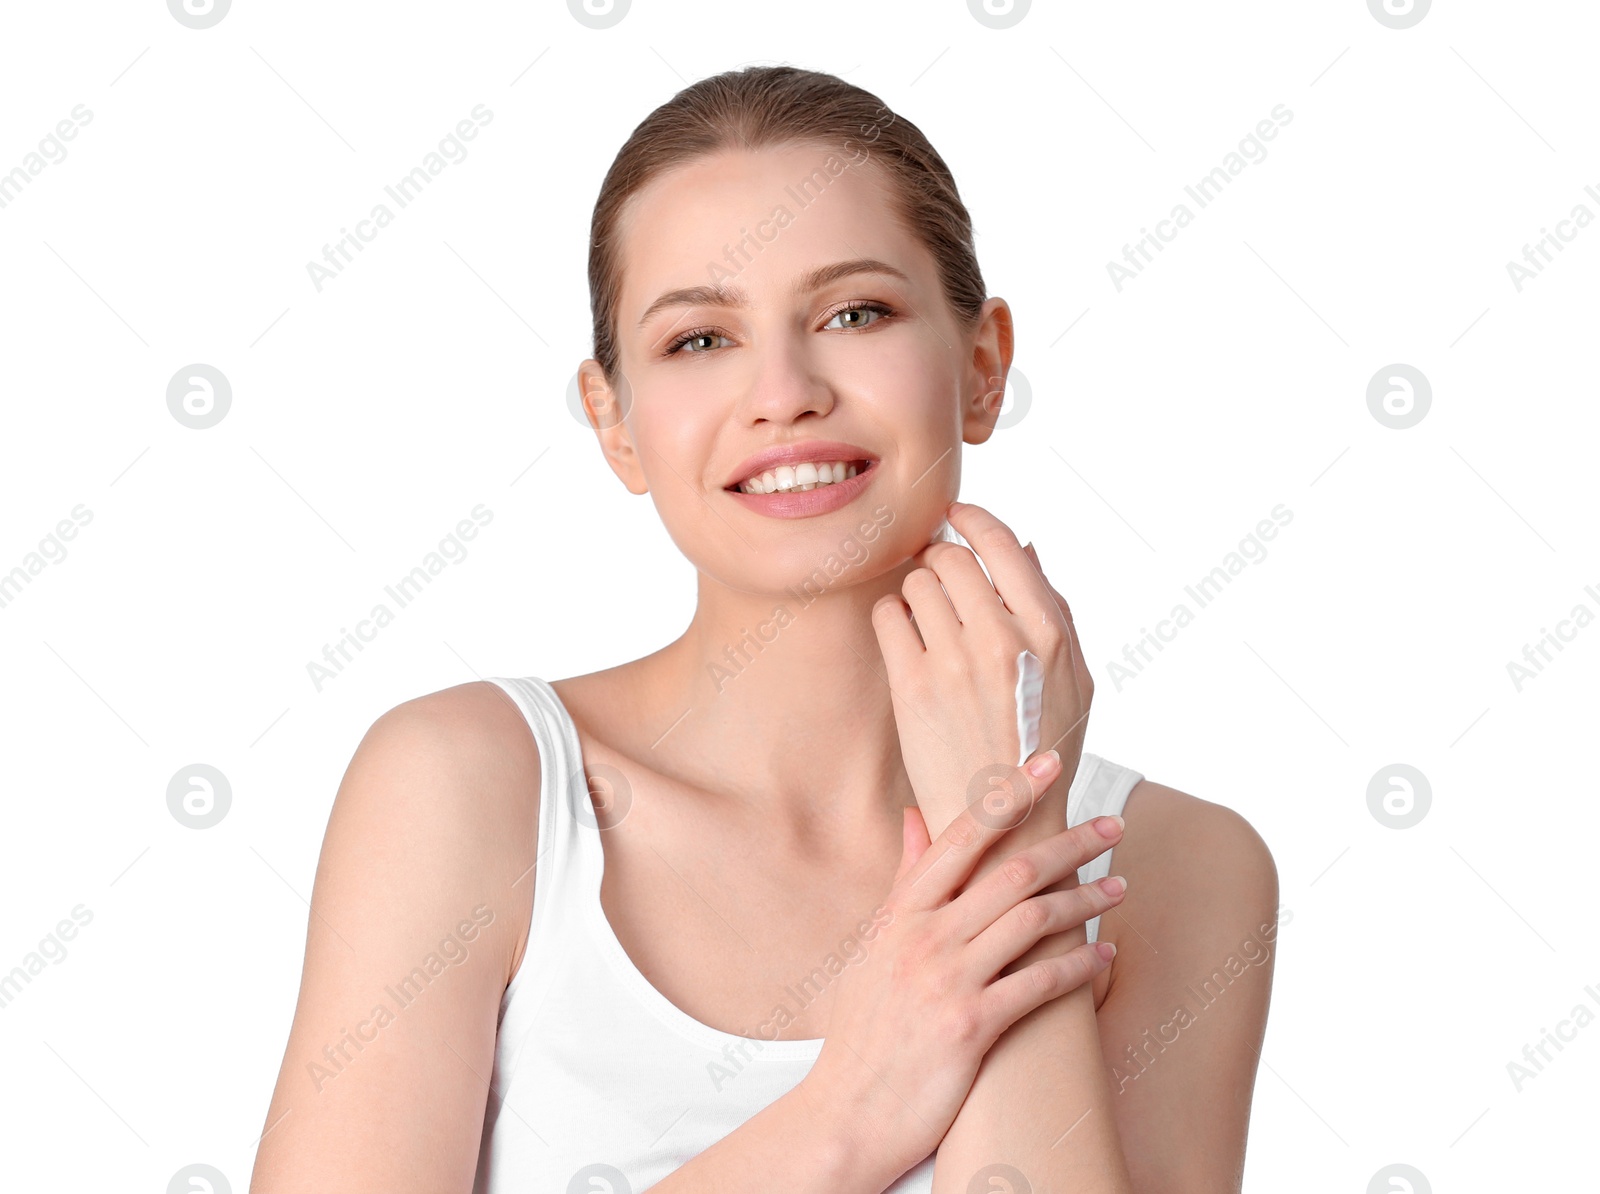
x,y
777,106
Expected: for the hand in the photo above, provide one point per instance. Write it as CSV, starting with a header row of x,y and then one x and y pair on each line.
x,y
913,1019
953,674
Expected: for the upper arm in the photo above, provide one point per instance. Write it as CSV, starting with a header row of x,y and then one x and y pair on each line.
x,y
1183,1020
419,912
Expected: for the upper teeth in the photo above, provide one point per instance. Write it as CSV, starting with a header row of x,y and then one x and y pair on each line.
x,y
799,476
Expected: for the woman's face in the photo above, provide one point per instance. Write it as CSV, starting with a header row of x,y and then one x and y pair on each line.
x,y
774,348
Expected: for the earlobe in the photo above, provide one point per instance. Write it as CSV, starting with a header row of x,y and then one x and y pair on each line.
x,y
620,454
981,411
991,361
599,405
605,410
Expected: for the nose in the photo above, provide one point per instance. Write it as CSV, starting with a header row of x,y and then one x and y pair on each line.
x,y
785,384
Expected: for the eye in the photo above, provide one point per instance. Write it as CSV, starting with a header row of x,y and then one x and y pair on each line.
x,y
860,309
690,337
857,311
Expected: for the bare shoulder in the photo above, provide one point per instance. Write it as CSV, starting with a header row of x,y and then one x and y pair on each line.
x,y
471,769
417,921
1201,880
1185,1014
1172,829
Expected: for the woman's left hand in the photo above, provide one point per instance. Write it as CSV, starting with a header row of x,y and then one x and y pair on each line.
x,y
953,674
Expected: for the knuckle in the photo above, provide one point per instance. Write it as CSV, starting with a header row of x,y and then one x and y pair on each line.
x,y
941,987
1086,963
996,535
963,1022
1052,635
921,946
1020,870
1034,915
909,966
1045,980
1000,654
964,830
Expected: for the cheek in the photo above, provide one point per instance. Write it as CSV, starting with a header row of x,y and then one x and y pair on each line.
x,y
916,370
674,443
919,400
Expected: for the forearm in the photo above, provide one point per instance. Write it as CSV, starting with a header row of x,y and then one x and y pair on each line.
x,y
803,1142
1041,1101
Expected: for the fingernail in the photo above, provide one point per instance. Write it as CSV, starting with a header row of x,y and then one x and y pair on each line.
x,y
1106,949
958,505
1042,764
1109,826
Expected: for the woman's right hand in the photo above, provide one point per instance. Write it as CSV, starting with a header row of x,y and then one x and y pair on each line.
x,y
913,1019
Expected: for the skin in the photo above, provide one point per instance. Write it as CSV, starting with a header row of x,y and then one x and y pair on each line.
x,y
767,802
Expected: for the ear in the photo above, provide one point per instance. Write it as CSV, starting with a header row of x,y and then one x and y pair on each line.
x,y
607,409
984,390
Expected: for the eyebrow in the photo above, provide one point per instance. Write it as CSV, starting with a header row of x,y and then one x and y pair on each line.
x,y
736,297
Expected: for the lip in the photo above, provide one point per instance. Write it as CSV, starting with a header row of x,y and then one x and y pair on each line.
x,y
811,502
815,449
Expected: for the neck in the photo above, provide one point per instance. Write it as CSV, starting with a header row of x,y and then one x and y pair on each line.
x,y
784,698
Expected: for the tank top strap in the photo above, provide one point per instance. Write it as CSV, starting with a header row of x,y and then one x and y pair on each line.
x,y
563,868
1099,789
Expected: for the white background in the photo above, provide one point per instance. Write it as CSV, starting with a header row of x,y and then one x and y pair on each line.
x,y
431,375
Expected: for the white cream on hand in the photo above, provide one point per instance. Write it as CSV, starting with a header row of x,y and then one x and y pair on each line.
x,y
1030,672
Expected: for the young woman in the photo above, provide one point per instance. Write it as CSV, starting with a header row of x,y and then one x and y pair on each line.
x,y
774,908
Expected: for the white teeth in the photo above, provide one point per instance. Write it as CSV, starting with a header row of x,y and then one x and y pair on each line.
x,y
799,477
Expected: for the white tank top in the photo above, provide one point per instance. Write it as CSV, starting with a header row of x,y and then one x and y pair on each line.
x,y
601,1084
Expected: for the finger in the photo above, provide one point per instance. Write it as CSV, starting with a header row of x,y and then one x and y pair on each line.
x,y
1021,928
968,590
1083,681
1080,665
1008,999
954,854
1075,649
1044,863
935,617
914,841
1061,603
897,635
1014,576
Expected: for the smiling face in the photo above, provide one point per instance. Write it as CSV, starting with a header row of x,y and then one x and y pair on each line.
x,y
772,299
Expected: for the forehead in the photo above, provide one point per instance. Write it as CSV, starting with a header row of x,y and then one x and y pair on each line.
x,y
767,217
